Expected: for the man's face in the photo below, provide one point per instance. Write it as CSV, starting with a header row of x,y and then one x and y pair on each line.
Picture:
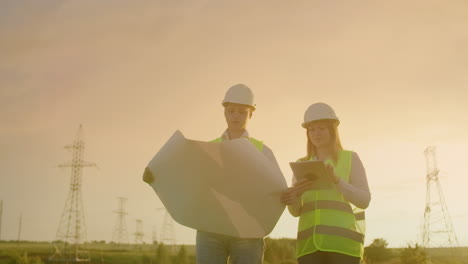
x,y
237,115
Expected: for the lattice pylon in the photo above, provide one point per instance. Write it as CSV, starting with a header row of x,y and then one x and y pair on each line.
x,y
139,232
167,231
120,234
155,235
1,215
72,227
438,230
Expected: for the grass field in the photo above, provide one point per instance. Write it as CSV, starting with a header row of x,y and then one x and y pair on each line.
x,y
29,252
108,253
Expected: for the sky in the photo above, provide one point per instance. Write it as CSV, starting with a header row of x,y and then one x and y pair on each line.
x,y
134,72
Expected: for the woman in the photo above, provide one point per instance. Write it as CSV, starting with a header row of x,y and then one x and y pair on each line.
x,y
331,221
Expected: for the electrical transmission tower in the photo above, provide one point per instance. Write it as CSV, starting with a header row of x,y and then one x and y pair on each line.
x,y
72,227
120,235
1,214
155,235
20,223
438,229
139,232
167,232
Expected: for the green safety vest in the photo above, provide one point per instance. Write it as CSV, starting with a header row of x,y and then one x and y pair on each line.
x,y
328,222
257,143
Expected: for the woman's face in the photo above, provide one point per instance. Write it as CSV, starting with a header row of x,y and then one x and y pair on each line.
x,y
319,134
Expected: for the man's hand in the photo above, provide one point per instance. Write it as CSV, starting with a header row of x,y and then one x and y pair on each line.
x,y
148,176
289,197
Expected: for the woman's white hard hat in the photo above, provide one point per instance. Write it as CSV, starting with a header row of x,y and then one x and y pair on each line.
x,y
319,111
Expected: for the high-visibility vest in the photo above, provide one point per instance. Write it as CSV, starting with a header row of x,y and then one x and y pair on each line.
x,y
257,143
327,221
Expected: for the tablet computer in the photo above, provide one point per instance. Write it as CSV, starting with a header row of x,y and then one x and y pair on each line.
x,y
314,170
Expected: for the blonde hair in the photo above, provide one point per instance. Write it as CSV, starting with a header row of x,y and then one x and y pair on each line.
x,y
333,128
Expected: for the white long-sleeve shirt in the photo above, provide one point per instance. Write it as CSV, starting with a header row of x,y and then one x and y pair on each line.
x,y
266,150
356,191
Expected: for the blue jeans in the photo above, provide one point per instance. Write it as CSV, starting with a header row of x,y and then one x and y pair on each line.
x,y
216,249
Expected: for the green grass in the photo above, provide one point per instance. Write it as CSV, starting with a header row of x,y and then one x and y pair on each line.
x,y
108,253
98,252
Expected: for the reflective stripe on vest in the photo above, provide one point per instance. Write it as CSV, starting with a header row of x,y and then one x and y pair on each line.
x,y
325,204
331,230
360,216
257,143
328,222
360,219
335,205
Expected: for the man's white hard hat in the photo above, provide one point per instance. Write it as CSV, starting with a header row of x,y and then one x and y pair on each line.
x,y
239,94
319,111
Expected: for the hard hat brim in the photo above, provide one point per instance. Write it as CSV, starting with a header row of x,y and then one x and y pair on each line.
x,y
224,103
304,125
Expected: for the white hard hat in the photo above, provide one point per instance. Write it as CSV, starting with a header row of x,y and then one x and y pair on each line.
x,y
319,111
239,94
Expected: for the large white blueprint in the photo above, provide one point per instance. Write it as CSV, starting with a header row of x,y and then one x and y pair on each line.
x,y
228,188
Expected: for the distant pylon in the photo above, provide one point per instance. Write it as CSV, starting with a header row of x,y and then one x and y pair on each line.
x,y
72,227
438,229
139,232
167,232
20,223
120,235
1,214
155,235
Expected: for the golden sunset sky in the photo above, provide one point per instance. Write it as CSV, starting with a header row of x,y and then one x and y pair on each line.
x,y
133,72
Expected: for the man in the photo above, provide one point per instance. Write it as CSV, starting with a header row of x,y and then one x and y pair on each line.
x,y
218,248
